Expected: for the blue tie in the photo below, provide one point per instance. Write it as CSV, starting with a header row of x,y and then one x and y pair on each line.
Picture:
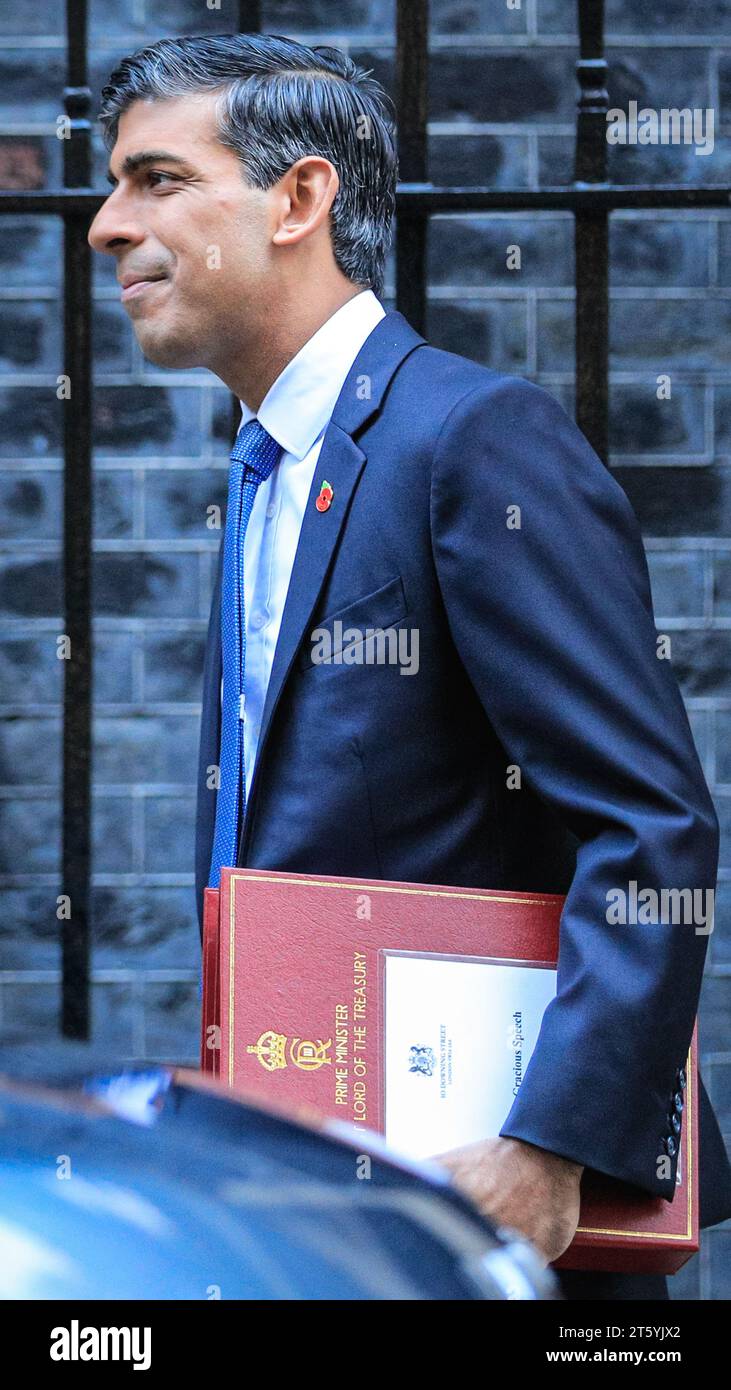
x,y
253,457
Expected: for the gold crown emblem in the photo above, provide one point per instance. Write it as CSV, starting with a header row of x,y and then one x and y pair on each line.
x,y
270,1048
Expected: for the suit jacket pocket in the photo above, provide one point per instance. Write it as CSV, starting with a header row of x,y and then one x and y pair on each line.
x,y
382,608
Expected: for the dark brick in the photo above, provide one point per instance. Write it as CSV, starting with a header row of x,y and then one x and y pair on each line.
x,y
31,588
498,161
147,420
305,16
222,431
677,583
658,77
722,586
555,335
113,336
723,809
174,666
169,835
493,85
30,162
473,251
30,671
32,78
720,1092
146,748
31,504
724,252
625,17
115,1013
556,17
658,253
631,164
112,823
642,424
679,501
30,931
701,661
724,87
113,657
666,333
113,504
30,336
493,334
555,160
719,946
29,1012
29,836
30,421
30,251
723,746
720,1261
713,1023
146,928
665,17
722,419
172,1022
45,17
30,751
143,585
476,17
176,501
210,569
107,16
698,720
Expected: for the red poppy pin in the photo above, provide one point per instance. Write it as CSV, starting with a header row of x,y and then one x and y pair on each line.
x,y
325,497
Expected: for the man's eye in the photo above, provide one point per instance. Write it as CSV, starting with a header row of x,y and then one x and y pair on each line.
x,y
157,174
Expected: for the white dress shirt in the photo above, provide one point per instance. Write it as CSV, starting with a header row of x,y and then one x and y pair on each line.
x,y
296,412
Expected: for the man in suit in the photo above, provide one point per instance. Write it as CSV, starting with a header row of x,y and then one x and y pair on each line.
x,y
536,738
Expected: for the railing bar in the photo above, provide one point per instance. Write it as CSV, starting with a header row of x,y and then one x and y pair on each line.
x,y
418,196
77,511
591,234
412,76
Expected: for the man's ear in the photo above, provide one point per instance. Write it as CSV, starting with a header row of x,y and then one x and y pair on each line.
x,y
307,193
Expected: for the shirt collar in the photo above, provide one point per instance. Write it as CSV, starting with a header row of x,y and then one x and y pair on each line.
x,y
299,404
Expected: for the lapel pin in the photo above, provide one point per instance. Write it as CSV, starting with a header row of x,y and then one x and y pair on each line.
x,y
322,502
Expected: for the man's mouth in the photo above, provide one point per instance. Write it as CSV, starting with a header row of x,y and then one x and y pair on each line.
x,y
137,287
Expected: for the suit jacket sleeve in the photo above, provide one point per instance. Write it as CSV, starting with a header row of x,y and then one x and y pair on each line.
x,y
553,621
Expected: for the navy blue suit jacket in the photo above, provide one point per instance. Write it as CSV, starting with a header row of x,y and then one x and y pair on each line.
x,y
537,648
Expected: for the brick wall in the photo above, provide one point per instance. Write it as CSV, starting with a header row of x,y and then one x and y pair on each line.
x,y
502,112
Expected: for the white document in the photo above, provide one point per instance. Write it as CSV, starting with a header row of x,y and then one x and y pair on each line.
x,y
459,1033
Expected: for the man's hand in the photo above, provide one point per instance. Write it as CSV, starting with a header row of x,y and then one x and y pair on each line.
x,y
519,1185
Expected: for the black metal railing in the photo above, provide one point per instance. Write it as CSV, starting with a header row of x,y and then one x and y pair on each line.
x,y
591,199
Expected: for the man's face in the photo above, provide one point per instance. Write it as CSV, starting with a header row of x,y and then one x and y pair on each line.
x,y
186,226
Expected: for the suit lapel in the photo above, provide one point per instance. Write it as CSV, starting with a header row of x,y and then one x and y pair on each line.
x,y
341,461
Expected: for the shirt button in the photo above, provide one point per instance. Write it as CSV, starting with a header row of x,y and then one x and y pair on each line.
x,y
258,619
271,509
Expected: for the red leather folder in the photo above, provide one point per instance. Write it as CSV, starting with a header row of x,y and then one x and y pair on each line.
x,y
294,980
211,1013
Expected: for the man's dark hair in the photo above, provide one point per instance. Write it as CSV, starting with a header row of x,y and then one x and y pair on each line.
x,y
280,101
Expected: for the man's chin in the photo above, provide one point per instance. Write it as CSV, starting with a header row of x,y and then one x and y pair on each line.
x,y
167,352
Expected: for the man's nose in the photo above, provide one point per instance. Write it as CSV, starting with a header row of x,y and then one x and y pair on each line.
x,y
114,226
